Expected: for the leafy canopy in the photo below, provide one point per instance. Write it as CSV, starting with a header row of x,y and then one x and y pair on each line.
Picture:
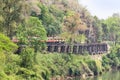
x,y
32,33
6,45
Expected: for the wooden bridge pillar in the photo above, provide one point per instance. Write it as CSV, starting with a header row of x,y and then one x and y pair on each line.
x,y
98,49
89,49
95,48
75,49
92,49
50,48
102,48
62,49
80,49
56,48
59,49
85,48
65,48
68,49
106,47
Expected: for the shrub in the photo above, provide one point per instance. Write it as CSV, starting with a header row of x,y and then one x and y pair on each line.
x,y
6,44
26,73
3,76
2,60
27,57
116,62
95,66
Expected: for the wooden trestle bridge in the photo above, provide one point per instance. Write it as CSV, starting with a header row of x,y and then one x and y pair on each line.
x,y
91,48
61,47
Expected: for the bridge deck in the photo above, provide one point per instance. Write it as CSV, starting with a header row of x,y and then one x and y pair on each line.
x,y
93,48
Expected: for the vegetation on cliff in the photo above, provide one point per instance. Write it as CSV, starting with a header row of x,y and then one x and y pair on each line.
x,y
31,21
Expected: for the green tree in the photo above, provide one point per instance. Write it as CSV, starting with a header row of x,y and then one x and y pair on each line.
x,y
50,20
72,25
6,45
71,28
32,33
112,28
10,16
27,56
98,31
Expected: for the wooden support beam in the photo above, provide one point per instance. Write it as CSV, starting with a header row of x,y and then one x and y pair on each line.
x,y
59,49
75,49
78,48
62,49
56,49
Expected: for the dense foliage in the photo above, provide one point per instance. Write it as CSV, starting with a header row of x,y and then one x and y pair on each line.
x,y
112,59
31,21
32,33
56,16
10,16
6,45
